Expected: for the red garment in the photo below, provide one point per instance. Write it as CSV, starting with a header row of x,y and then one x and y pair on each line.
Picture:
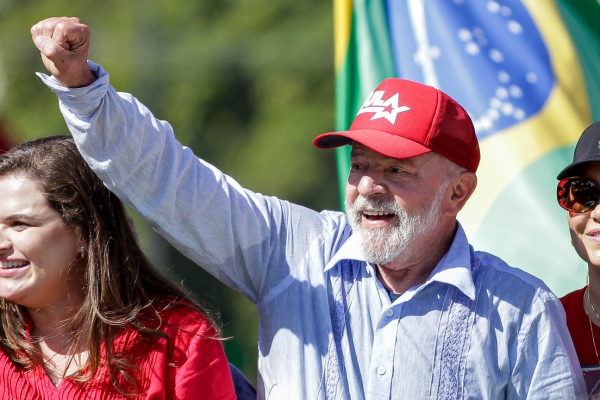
x,y
579,326
197,369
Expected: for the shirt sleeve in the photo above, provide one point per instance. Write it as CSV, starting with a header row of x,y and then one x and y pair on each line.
x,y
248,241
546,365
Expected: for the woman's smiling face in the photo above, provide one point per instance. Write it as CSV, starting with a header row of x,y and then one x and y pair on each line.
x,y
585,227
38,252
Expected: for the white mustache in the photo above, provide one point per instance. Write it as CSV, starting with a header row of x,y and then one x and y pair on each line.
x,y
383,245
386,206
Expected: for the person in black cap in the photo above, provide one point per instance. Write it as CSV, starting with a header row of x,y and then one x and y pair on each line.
x,y
578,192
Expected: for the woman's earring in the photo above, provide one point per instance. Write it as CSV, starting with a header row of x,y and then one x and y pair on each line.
x,y
82,253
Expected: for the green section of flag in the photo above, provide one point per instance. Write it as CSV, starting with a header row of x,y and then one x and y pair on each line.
x,y
369,60
346,79
523,214
582,18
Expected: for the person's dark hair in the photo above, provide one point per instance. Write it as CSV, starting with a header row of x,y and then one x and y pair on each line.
x,y
119,282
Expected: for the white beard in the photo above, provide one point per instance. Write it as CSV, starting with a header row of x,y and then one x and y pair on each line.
x,y
381,246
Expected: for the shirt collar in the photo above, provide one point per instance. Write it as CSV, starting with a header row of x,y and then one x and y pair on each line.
x,y
454,268
350,250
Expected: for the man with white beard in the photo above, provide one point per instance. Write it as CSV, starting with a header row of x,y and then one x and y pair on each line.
x,y
382,246
393,305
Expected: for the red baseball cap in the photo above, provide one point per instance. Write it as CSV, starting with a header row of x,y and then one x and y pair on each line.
x,y
403,119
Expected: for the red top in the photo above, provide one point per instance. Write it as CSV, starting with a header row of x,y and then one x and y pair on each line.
x,y
579,326
197,367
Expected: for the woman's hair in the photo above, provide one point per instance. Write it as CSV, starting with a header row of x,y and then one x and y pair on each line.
x,y
120,284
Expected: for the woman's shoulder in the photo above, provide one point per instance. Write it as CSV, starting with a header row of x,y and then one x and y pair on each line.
x,y
573,305
178,325
183,316
575,297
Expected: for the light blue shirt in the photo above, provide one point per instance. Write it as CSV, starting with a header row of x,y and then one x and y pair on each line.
x,y
477,329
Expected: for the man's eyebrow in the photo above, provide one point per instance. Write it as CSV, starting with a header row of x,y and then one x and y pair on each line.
x,y
407,161
356,152
21,217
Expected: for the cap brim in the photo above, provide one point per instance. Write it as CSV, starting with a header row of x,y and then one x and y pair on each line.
x,y
389,145
569,170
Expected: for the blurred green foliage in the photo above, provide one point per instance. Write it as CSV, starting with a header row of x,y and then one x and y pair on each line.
x,y
247,84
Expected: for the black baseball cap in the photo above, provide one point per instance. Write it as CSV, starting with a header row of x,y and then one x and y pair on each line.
x,y
587,150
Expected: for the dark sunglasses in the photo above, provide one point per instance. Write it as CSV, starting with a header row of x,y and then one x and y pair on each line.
x,y
578,195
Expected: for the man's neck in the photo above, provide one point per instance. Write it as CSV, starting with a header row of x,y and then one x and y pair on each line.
x,y
399,281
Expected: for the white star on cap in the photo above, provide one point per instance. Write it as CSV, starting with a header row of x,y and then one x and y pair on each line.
x,y
375,104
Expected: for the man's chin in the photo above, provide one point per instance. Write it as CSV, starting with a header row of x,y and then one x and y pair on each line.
x,y
381,252
375,230
378,260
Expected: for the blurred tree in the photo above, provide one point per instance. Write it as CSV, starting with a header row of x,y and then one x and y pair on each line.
x,y
247,84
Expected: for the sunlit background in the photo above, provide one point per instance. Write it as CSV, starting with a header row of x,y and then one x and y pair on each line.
x,y
247,84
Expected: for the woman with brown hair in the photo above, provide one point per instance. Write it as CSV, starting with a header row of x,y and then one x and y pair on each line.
x,y
83,312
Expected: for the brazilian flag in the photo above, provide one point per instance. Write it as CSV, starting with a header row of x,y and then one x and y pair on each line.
x,y
527,72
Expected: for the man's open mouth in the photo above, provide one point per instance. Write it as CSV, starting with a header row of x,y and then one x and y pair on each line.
x,y
378,215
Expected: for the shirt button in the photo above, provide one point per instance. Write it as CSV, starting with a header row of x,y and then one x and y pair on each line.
x,y
389,313
381,370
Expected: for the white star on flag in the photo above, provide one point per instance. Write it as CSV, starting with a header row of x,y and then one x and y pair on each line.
x,y
375,104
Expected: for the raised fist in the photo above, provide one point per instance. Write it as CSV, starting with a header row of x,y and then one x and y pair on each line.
x,y
64,44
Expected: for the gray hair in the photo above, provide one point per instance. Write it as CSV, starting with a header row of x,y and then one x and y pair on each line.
x,y
453,170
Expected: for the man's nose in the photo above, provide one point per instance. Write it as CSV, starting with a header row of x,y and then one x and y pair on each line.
x,y
5,244
370,185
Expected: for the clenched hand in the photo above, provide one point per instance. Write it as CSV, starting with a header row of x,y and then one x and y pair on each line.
x,y
64,44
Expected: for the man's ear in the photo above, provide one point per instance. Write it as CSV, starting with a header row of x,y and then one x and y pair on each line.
x,y
461,189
